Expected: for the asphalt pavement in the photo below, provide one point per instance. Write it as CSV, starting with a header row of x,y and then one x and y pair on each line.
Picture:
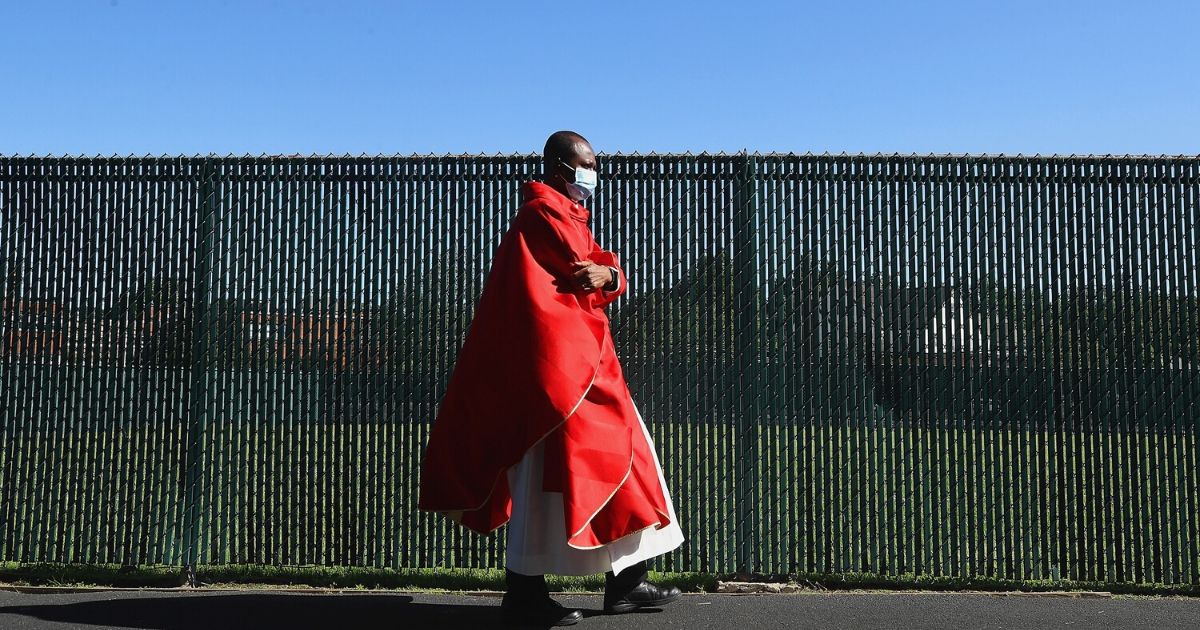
x,y
350,610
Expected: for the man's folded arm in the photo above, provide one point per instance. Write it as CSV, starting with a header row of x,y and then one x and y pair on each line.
x,y
550,244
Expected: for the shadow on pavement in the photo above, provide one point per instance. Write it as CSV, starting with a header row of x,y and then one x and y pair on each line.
x,y
244,611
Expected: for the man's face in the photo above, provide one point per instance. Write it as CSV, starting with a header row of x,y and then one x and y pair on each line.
x,y
582,156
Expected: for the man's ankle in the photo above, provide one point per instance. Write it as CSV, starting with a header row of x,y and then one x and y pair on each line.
x,y
621,583
525,587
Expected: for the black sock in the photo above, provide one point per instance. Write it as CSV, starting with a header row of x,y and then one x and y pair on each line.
x,y
523,586
619,585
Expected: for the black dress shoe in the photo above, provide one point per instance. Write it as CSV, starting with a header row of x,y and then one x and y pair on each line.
x,y
644,595
538,612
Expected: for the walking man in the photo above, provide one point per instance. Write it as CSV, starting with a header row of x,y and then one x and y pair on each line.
x,y
537,427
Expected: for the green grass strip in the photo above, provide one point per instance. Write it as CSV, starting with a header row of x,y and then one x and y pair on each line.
x,y
45,574
441,579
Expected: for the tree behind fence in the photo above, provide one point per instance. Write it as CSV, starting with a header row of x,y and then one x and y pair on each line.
x,y
957,366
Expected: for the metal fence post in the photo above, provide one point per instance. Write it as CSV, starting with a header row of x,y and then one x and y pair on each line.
x,y
198,402
746,300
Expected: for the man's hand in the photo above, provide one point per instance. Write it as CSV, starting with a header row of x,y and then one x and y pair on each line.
x,y
589,276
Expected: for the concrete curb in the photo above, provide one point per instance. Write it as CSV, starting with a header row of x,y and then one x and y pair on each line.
x,y
723,588
259,588
747,588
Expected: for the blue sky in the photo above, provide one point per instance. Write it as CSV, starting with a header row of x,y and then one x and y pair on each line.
x,y
173,77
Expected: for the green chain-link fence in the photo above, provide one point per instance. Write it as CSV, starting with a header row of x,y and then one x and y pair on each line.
x,y
981,366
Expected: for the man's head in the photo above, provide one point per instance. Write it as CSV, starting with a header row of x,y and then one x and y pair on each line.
x,y
565,151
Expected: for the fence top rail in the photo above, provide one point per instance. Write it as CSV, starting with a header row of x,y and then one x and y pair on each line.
x,y
533,157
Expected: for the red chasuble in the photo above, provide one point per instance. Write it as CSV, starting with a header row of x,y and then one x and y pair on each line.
x,y
538,364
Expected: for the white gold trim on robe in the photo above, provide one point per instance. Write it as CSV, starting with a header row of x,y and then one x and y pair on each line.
x,y
537,538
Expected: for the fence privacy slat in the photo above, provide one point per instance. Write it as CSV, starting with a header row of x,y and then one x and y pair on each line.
x,y
930,365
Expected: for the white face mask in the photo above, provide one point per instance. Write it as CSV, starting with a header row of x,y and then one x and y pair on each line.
x,y
584,184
